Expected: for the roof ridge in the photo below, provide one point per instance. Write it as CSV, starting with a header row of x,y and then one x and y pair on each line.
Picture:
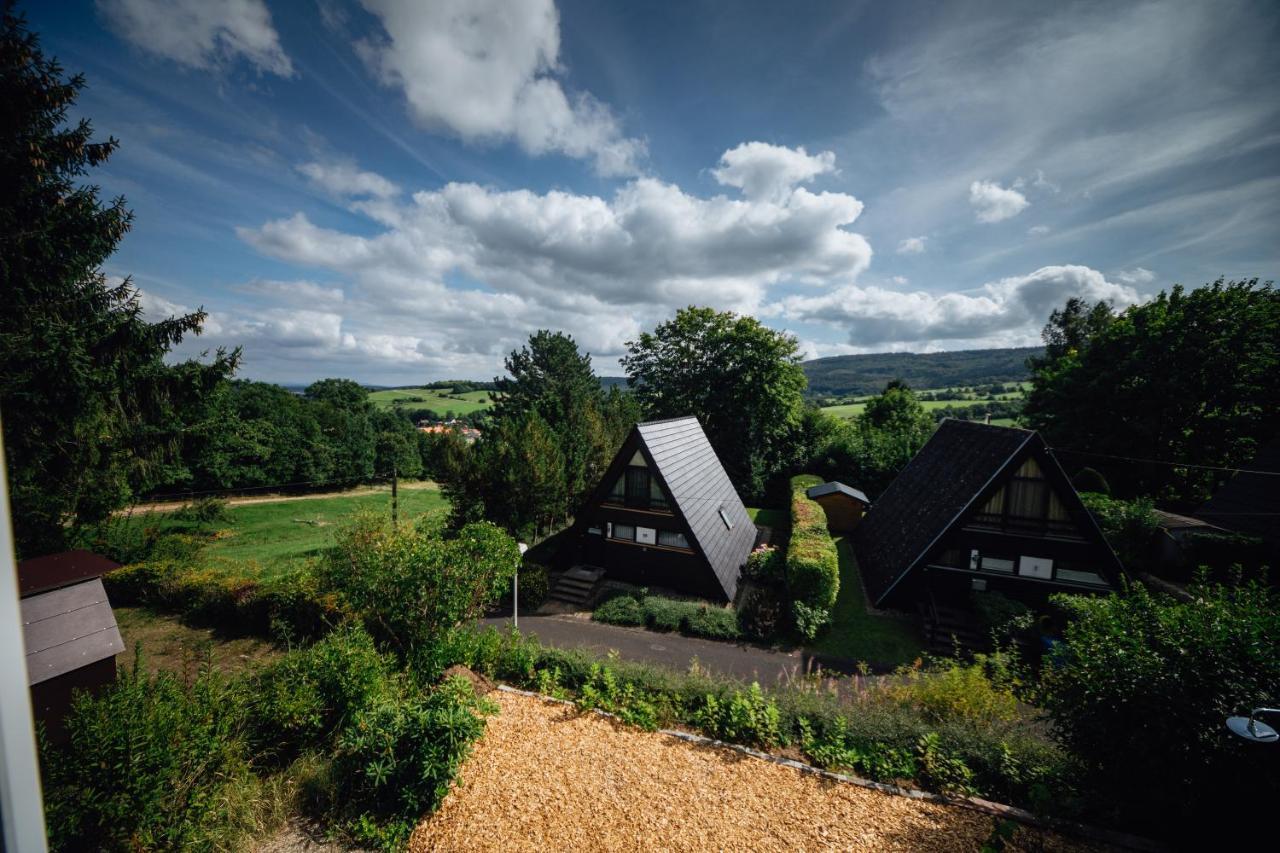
x,y
670,420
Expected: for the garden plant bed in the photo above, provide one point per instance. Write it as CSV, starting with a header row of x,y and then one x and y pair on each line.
x,y
546,777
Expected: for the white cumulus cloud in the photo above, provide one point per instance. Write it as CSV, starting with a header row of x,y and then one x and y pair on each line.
x,y
201,33
912,246
1006,312
994,203
487,71
346,179
764,171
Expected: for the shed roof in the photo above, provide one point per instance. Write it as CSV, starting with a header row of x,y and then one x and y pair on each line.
x,y
67,628
939,482
51,571
700,490
835,488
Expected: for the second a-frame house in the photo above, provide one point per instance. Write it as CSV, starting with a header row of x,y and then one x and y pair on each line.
x,y
666,515
981,507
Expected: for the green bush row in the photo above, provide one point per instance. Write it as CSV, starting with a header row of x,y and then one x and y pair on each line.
x,y
158,763
943,727
667,614
813,567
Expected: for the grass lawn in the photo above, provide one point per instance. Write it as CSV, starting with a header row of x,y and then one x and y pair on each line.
x,y
778,519
170,646
849,410
431,398
280,536
855,634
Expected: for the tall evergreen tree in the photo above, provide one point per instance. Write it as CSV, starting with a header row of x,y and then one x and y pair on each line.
x,y
91,412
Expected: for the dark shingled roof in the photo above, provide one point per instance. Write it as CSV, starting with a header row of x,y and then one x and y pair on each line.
x,y
1249,502
936,486
39,574
823,489
67,628
700,488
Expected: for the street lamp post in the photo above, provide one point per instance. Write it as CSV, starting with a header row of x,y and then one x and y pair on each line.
x,y
515,590
1251,728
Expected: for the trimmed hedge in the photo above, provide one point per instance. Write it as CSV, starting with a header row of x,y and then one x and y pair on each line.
x,y
668,614
813,567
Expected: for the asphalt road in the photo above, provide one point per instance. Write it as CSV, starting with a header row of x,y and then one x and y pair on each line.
x,y
673,651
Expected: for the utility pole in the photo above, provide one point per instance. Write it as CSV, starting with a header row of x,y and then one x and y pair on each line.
x,y
395,500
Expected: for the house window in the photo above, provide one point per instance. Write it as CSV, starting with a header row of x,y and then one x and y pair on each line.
x,y
724,516
637,486
625,532
646,536
618,493
1080,576
1035,567
672,539
997,564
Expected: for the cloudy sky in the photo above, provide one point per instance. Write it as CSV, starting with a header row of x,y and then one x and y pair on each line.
x,y
396,191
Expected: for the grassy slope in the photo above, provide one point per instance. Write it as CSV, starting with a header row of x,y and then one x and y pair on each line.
x,y
280,536
855,634
849,410
462,404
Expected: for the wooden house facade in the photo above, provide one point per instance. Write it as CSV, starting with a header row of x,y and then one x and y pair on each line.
x,y
666,515
981,507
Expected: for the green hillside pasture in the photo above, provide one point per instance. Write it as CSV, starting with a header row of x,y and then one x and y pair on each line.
x,y
280,537
431,398
849,410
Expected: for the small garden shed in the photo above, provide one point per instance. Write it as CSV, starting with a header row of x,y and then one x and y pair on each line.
x,y
69,630
843,504
666,515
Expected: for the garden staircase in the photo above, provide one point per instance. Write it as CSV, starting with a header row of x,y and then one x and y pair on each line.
x,y
577,585
946,627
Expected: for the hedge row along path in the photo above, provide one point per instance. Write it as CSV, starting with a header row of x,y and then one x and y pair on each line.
x,y
544,777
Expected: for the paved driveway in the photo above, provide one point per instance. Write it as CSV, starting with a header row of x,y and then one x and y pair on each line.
x,y
674,651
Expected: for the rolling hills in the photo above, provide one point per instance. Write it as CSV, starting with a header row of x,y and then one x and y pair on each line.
x,y
856,375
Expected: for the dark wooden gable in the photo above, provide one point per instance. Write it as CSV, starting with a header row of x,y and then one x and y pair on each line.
x,y
698,491
948,484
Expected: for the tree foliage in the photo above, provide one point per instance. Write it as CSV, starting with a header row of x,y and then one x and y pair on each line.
x,y
1141,697
551,434
741,379
870,449
92,414
1189,376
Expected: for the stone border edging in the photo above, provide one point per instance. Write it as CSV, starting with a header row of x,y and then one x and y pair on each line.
x,y
1081,830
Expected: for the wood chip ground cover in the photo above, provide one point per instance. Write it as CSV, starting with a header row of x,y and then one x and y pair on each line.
x,y
544,777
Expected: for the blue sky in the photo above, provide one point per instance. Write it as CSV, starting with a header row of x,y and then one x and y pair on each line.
x,y
395,191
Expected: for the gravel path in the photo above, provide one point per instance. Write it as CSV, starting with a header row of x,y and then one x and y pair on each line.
x,y
546,778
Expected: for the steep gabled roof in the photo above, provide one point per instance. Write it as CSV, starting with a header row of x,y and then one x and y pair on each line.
x,y
700,489
1250,502
949,475
835,488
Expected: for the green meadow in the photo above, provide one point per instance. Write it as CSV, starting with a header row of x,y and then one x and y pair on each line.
x,y
431,398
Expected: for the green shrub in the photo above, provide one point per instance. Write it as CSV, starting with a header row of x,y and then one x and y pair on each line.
x,y
813,567
202,511
713,623
534,584
745,717
809,621
397,760
622,610
604,691
1141,693
760,613
1091,480
300,701
1127,525
150,763
766,565
980,691
666,614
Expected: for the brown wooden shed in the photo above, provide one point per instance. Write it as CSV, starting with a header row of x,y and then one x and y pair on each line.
x,y
69,629
843,505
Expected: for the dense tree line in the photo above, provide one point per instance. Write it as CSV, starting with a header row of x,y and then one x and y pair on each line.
x,y
1188,377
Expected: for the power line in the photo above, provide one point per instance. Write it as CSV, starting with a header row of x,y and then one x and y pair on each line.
x,y
1164,462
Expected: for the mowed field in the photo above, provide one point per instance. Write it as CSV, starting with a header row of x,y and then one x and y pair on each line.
x,y
849,410
280,537
431,398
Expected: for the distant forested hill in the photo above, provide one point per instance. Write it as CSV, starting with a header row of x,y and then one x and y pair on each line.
x,y
851,375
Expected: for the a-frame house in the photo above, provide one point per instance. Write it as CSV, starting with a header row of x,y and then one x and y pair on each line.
x,y
666,515
981,507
